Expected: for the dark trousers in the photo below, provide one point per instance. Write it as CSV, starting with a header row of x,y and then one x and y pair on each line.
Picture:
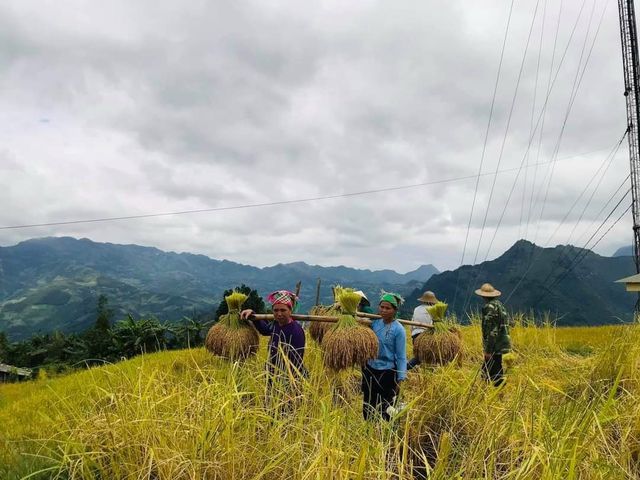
x,y
378,389
414,362
492,369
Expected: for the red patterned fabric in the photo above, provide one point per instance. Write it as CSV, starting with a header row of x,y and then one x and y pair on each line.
x,y
283,297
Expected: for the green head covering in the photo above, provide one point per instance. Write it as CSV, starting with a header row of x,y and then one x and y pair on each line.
x,y
393,298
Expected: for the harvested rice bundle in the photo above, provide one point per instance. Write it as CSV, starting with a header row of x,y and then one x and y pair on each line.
x,y
443,343
437,311
348,343
318,329
232,337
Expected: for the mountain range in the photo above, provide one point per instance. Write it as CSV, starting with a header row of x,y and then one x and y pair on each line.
x,y
625,251
53,283
544,281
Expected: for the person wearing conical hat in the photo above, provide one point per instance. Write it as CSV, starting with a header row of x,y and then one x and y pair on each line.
x,y
421,315
495,334
365,304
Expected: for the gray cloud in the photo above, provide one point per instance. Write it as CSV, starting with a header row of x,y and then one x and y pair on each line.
x,y
156,107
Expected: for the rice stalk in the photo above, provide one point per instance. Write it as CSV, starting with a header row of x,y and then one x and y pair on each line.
x,y
437,311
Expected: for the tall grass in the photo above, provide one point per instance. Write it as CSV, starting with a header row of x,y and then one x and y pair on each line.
x,y
570,409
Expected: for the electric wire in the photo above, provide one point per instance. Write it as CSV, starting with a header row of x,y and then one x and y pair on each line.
x,y
576,85
484,146
484,221
548,94
585,247
544,112
577,81
582,254
606,164
604,207
273,203
506,131
535,93
531,263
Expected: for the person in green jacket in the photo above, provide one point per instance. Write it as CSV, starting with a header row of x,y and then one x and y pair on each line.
x,y
495,334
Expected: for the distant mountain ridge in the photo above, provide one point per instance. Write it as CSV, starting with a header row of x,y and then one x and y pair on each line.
x,y
626,251
53,283
587,295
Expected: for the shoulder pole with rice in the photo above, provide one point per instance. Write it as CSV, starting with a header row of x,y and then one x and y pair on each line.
x,y
364,318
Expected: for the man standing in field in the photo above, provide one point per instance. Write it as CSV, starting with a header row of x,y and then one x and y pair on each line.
x,y
421,315
495,334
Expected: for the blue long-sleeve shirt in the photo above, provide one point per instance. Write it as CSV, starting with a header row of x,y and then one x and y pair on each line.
x,y
392,347
290,338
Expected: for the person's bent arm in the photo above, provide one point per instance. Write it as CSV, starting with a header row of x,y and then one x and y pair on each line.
x,y
264,328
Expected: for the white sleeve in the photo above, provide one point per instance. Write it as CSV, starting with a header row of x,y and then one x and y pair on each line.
x,y
420,314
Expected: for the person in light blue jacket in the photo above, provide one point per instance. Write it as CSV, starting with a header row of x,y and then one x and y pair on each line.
x,y
381,377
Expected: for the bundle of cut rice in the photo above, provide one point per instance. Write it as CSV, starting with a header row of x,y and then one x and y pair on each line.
x,y
348,343
443,343
232,337
318,329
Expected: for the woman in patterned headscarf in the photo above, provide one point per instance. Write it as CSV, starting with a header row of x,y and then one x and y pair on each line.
x,y
381,377
287,342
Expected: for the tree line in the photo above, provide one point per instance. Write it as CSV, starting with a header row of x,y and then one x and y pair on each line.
x,y
108,341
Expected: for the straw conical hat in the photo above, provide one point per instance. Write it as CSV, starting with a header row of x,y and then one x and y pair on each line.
x,y
428,297
363,296
487,290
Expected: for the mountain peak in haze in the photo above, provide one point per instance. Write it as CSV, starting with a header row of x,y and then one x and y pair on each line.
x,y
626,251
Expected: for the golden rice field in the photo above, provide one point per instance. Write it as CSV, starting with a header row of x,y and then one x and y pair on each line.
x,y
570,409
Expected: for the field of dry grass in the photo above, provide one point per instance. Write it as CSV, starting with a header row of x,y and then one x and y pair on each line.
x,y
570,409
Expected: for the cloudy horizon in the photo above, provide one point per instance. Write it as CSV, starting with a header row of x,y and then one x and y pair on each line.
x,y
128,109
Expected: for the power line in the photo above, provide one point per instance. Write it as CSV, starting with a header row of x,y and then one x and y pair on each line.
x,y
606,164
531,263
542,113
577,81
585,247
576,85
275,203
583,253
531,130
506,130
604,207
584,209
484,146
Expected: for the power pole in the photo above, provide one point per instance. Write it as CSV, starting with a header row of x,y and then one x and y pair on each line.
x,y
629,41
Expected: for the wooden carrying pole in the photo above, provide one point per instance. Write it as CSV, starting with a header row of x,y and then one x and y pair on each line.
x,y
361,317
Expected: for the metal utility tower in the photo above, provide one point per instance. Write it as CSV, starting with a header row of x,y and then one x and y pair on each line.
x,y
629,41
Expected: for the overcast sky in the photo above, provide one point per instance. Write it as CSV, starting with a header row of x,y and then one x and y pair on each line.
x,y
121,108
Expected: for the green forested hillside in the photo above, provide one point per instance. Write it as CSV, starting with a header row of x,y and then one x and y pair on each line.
x,y
54,283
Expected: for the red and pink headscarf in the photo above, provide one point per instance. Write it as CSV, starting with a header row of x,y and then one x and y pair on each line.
x,y
283,297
